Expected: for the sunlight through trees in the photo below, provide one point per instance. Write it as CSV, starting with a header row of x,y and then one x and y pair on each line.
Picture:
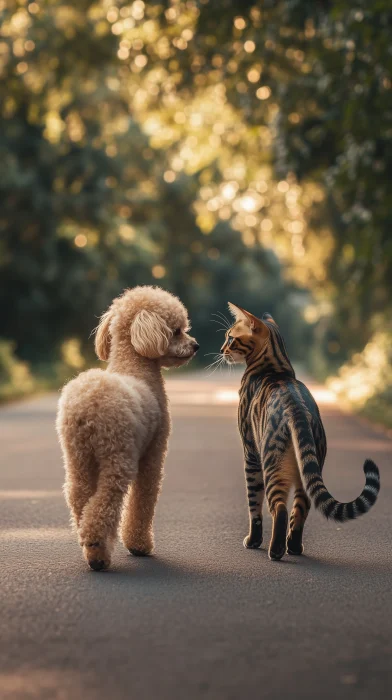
x,y
216,148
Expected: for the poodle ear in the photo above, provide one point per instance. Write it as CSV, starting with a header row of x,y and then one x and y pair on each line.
x,y
150,335
103,337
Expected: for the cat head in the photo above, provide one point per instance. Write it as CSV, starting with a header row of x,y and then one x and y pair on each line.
x,y
254,340
247,334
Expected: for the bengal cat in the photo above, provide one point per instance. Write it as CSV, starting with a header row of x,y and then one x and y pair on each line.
x,y
283,438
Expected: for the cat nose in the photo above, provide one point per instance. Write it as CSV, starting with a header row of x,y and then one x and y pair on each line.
x,y
195,346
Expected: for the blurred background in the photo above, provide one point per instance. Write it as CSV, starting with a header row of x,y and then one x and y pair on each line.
x,y
225,150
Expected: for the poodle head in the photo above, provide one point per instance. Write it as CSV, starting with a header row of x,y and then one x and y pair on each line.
x,y
151,321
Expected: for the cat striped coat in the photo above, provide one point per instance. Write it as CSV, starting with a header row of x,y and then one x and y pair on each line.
x,y
283,439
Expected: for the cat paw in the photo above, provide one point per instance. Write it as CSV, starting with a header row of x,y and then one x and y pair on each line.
x,y
278,543
275,554
255,537
250,543
294,543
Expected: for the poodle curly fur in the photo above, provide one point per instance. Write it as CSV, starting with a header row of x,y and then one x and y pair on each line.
x,y
114,424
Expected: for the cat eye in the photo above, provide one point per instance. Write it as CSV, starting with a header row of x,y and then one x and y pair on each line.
x,y
177,331
230,339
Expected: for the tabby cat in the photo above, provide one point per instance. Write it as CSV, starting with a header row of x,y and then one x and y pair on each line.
x,y
283,438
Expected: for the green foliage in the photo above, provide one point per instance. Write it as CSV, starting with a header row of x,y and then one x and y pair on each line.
x,y
222,149
365,383
87,206
318,76
15,377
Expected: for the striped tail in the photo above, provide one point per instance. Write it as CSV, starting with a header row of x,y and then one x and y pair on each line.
x,y
314,484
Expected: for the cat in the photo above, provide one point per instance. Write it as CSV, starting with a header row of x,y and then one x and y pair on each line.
x,y
283,438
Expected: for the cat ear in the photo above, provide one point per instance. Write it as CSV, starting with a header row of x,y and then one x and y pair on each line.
x,y
268,317
238,312
241,314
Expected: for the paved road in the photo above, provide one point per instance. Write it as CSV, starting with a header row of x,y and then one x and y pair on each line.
x,y
204,618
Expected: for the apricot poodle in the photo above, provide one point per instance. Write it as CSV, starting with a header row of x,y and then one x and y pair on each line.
x,y
114,424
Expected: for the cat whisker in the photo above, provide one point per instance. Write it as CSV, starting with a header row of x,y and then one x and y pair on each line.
x,y
216,355
224,319
218,366
219,313
213,320
217,363
214,363
222,329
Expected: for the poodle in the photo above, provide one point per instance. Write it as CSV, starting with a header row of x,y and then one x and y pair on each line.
x,y
114,424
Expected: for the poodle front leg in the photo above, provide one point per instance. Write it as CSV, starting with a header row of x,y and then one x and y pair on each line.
x,y
137,523
101,515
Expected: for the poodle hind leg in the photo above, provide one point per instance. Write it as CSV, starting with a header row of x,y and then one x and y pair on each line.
x,y
80,485
137,522
101,515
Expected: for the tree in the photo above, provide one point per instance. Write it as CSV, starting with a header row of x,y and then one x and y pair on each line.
x,y
89,202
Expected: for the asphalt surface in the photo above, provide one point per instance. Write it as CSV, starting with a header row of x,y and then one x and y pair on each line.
x,y
203,618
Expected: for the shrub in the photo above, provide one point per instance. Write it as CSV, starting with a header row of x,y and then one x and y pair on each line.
x,y
15,376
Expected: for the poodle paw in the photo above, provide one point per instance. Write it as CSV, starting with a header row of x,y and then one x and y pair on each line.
x,y
140,552
96,556
139,545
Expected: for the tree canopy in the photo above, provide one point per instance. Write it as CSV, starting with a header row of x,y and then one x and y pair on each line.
x,y
217,148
